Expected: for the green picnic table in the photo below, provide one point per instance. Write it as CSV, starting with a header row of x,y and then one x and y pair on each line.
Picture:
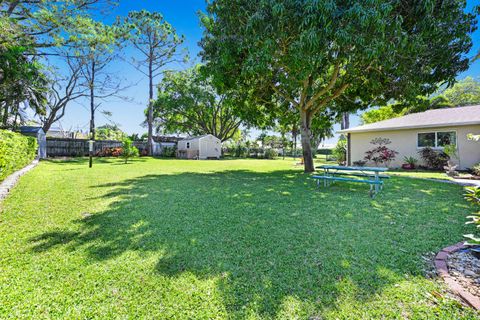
x,y
370,175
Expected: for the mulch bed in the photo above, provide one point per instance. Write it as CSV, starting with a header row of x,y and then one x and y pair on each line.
x,y
461,272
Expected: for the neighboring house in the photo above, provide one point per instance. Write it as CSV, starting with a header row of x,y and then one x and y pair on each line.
x,y
62,134
201,147
38,133
412,132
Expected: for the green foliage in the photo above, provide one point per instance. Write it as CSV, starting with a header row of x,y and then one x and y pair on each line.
x,y
129,150
476,169
313,55
270,153
240,151
187,102
451,151
169,152
22,80
340,150
410,160
110,132
380,114
472,194
16,151
464,92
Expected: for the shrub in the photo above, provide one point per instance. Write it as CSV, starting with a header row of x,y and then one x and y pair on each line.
x,y
411,161
240,151
110,152
169,152
476,169
340,150
129,150
324,151
473,195
433,159
381,154
16,151
270,153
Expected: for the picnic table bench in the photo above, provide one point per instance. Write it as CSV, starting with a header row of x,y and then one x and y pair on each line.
x,y
371,175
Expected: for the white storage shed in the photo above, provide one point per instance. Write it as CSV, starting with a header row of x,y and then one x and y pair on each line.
x,y
201,147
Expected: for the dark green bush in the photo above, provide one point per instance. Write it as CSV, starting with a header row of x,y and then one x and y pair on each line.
x,y
324,151
169,152
240,151
270,153
16,151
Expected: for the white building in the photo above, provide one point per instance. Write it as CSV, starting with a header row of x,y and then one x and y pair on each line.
x,y
411,133
202,147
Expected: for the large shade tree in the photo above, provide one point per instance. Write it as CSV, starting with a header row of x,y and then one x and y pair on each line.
x,y
310,53
188,103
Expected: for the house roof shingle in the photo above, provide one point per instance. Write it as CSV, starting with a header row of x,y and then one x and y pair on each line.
x,y
446,117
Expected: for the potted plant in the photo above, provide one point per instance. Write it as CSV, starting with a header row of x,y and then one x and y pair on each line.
x,y
410,163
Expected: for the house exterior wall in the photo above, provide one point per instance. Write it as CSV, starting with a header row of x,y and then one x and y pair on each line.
x,y
405,143
210,147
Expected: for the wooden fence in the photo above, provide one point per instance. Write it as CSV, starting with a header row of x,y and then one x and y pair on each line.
x,y
64,147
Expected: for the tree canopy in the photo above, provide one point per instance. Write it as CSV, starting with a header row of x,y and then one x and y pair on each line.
x,y
188,103
311,53
464,92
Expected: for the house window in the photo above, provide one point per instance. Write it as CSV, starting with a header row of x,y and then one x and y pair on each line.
x,y
188,145
438,139
426,139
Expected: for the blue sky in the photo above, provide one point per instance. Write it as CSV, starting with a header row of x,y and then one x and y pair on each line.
x,y
183,16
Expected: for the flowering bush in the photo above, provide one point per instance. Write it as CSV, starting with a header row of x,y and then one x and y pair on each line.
x,y
110,152
381,154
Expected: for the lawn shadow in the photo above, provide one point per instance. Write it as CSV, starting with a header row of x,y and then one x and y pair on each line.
x,y
268,236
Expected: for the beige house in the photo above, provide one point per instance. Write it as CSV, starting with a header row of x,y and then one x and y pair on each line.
x,y
202,147
410,133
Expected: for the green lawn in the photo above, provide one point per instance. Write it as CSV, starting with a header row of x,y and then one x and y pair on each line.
x,y
221,239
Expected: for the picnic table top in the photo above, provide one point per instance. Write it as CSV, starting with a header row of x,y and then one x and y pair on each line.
x,y
371,169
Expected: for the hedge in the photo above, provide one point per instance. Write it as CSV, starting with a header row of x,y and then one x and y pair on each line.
x,y
16,151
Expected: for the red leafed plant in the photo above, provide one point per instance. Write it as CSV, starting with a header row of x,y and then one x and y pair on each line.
x,y
381,154
110,152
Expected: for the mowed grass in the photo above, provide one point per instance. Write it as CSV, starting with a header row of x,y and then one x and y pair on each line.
x,y
173,239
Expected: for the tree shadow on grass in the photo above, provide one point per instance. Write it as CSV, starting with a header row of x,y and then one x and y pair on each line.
x,y
270,236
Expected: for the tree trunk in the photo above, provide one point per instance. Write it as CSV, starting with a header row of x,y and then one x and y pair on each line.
x,y
92,102
345,121
5,115
306,121
150,109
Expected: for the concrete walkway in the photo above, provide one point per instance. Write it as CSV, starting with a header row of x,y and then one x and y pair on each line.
x,y
467,182
12,179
